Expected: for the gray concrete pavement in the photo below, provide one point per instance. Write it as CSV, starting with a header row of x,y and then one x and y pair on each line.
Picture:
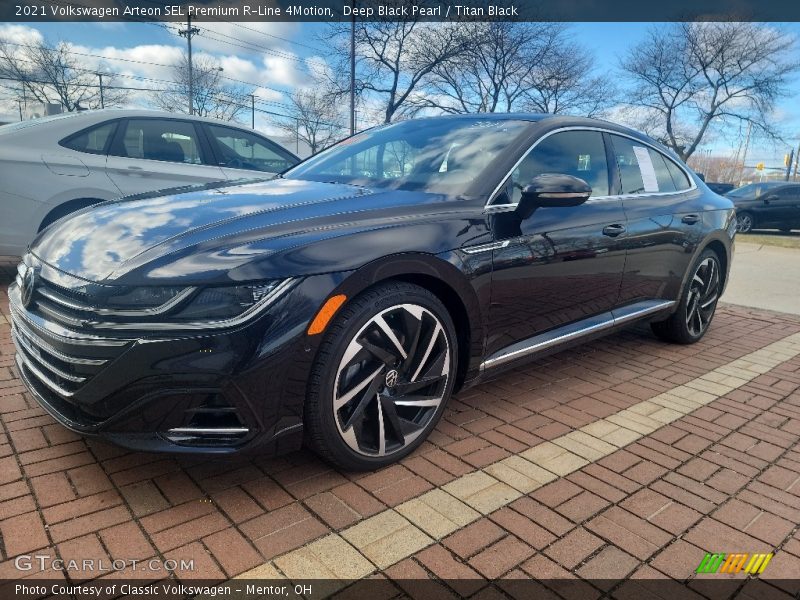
x,y
765,277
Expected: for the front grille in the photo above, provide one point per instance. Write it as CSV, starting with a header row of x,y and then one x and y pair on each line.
x,y
54,350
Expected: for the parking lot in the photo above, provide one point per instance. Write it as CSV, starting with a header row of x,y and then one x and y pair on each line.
x,y
624,457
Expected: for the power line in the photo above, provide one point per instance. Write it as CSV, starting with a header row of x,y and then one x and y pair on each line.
x,y
143,62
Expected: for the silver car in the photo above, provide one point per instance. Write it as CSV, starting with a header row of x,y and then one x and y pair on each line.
x,y
53,166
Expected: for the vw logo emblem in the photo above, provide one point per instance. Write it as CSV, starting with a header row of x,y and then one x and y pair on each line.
x,y
391,379
27,287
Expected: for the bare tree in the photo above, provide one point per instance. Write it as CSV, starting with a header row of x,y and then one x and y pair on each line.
x,y
508,66
689,78
314,119
490,72
563,82
49,74
394,57
211,95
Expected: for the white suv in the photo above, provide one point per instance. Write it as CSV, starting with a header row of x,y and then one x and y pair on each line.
x,y
54,166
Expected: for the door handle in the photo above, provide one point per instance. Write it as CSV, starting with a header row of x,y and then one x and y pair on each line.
x,y
690,219
613,230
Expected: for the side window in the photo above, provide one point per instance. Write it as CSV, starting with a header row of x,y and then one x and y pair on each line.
x,y
663,176
679,177
643,170
241,150
578,153
789,194
629,157
160,139
92,140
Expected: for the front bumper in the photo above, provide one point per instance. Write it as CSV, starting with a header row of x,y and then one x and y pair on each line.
x,y
203,391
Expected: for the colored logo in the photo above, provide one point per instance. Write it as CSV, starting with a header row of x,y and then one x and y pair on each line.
x,y
720,562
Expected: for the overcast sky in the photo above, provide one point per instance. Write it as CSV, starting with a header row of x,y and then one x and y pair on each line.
x,y
280,57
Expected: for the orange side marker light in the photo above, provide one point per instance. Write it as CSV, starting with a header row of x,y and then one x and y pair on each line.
x,y
326,313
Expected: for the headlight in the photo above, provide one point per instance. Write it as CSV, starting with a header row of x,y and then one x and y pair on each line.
x,y
185,307
224,302
142,297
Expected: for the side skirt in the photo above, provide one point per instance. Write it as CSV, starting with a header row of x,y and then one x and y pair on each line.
x,y
567,334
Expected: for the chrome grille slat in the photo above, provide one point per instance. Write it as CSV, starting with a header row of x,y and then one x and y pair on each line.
x,y
60,299
42,344
22,356
59,316
68,336
35,355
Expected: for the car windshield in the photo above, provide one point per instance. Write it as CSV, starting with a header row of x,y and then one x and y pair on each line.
x,y
433,155
752,190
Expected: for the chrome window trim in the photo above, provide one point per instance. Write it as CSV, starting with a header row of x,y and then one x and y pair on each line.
x,y
490,208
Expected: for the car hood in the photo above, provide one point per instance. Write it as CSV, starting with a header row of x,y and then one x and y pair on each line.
x,y
213,232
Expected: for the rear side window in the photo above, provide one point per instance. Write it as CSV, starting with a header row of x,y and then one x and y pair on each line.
x,y
643,170
160,139
242,150
678,176
93,140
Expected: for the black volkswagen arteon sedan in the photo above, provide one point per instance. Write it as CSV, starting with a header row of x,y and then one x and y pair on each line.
x,y
344,302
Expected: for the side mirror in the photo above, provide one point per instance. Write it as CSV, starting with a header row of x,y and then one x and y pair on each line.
x,y
770,198
553,190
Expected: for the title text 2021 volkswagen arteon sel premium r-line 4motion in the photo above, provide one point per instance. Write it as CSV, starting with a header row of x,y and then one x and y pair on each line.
x,y
345,301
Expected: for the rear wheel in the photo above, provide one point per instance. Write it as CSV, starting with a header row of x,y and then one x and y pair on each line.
x,y
697,305
381,378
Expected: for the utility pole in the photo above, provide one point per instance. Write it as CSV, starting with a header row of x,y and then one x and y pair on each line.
x,y
189,32
744,154
102,99
796,162
253,111
297,136
353,72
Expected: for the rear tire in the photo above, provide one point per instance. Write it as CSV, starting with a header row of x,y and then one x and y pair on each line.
x,y
381,378
697,305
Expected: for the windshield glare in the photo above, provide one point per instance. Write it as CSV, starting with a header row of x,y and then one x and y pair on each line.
x,y
433,155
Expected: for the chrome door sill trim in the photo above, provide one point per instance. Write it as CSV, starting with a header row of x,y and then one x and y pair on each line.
x,y
566,333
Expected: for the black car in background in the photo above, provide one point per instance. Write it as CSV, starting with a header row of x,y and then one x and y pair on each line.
x,y
767,205
719,188
346,300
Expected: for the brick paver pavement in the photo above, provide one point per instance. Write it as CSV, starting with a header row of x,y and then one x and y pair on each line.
x,y
623,458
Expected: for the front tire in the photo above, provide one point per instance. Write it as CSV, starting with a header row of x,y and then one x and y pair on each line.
x,y
381,378
697,305
744,222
